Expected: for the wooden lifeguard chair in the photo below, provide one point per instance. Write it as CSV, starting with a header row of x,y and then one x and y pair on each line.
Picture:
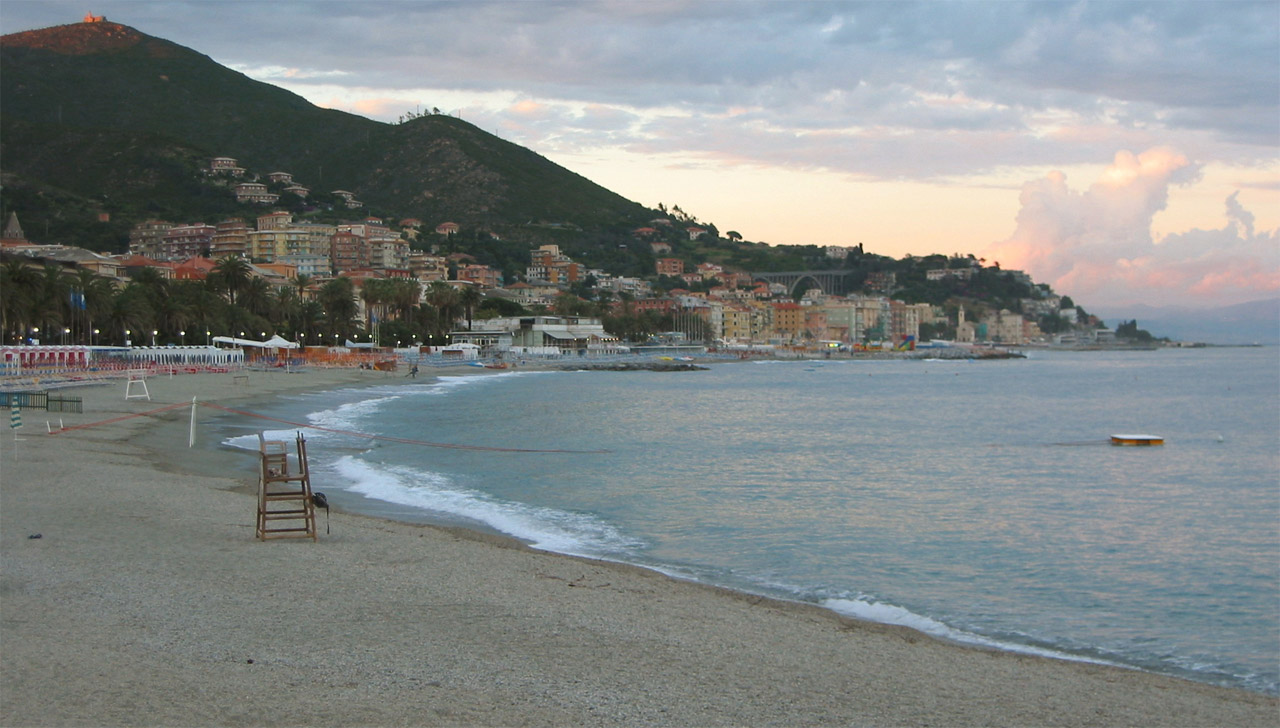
x,y
285,505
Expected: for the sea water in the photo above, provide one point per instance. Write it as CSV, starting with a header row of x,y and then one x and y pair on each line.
x,y
979,501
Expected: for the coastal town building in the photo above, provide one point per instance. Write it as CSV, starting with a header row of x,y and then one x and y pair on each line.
x,y
670,267
481,275
564,335
348,251
186,241
230,237
225,166
255,192
788,321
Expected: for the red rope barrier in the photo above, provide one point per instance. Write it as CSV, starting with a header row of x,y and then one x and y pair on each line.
x,y
120,419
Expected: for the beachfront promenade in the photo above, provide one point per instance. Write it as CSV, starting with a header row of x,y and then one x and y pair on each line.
x,y
134,593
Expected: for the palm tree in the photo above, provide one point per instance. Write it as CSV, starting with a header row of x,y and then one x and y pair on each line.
x,y
207,310
231,274
338,298
469,298
171,315
128,311
18,294
375,292
310,320
255,297
285,309
301,282
445,299
94,294
52,299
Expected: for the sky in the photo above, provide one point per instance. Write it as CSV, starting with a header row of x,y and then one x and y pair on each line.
x,y
1122,152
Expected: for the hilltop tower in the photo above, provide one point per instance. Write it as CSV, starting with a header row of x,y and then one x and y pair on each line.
x,y
12,230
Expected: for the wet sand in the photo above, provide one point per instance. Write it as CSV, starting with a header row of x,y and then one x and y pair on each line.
x,y
146,600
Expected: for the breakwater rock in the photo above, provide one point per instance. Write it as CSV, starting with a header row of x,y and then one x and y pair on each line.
x,y
638,366
965,353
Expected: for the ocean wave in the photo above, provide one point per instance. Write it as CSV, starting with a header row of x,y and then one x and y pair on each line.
x,y
874,611
550,529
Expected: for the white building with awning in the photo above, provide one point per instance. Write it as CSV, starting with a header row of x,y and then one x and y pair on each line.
x,y
567,334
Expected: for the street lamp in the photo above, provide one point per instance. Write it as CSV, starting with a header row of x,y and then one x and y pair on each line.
x,y
153,336
182,337
95,336
65,333
207,340
127,340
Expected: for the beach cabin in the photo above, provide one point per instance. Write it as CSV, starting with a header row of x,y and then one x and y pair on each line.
x,y
460,352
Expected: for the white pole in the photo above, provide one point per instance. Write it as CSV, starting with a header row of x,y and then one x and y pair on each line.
x,y
191,436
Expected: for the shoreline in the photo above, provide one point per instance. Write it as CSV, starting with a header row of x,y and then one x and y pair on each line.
x,y
147,600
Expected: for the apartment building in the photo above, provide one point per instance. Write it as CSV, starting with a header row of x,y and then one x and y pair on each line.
x,y
481,275
255,192
186,241
348,251
389,253
230,237
147,238
670,267
788,320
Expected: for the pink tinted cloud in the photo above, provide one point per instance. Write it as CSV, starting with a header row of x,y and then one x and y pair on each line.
x,y
1097,246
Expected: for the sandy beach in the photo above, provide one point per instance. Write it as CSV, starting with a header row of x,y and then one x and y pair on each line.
x,y
146,600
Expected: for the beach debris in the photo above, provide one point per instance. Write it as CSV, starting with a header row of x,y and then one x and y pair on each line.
x,y
1137,440
320,501
36,535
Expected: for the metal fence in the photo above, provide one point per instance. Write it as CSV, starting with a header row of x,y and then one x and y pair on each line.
x,y
42,401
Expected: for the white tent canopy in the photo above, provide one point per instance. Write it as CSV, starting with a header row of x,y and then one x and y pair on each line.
x,y
275,342
279,342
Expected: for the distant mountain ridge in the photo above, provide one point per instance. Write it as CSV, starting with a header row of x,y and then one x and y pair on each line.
x,y
1244,323
111,81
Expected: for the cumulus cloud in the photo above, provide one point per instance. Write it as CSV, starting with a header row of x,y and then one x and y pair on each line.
x,y
1097,245
906,90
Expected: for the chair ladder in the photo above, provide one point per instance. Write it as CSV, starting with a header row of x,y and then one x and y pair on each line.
x,y
285,507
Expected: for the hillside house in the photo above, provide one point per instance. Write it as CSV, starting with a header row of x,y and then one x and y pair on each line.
x,y
670,267
225,166
255,192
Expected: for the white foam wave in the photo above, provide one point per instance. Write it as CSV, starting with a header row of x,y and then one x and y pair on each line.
x,y
873,611
349,416
250,442
545,528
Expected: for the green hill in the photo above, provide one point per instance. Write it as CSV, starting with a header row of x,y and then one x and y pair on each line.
x,y
123,122
102,127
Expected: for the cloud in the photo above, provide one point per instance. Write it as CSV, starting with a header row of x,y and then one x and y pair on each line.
x,y
1097,245
911,90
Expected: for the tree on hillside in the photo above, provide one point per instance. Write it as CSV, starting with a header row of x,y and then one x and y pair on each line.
x,y
230,274
469,298
445,300
1129,330
338,299
17,299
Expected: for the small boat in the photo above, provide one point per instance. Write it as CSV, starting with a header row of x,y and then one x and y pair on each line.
x,y
1139,440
